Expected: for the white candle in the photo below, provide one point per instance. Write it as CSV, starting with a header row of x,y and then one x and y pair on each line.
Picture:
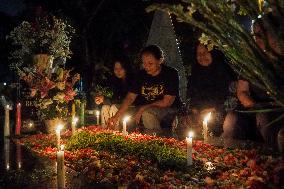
x,y
7,121
60,168
124,124
58,130
73,124
205,126
98,117
189,148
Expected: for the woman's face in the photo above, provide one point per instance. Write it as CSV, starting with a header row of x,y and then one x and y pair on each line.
x,y
151,64
119,71
203,56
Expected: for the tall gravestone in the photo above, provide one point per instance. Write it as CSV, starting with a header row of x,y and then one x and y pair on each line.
x,y
162,33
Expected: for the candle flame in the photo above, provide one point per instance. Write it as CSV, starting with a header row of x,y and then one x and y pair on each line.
x,y
19,104
97,113
8,166
190,134
8,106
19,165
62,147
75,120
59,128
207,117
126,118
209,166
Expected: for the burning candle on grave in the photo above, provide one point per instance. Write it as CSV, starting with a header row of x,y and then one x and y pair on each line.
x,y
58,131
124,125
60,168
189,148
7,121
18,119
98,117
73,124
205,127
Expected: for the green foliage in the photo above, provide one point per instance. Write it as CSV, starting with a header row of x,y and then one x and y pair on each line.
x,y
167,157
220,21
49,35
104,91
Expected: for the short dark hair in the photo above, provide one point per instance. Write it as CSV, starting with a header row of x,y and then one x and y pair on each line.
x,y
155,50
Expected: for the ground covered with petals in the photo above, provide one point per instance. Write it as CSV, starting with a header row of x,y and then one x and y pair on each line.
x,y
105,156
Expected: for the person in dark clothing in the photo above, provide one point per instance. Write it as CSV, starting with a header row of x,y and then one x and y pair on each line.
x,y
119,84
208,87
155,92
252,97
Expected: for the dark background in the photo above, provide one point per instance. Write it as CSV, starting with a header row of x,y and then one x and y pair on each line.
x,y
104,29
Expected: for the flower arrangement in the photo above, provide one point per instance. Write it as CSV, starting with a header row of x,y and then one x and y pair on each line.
x,y
47,34
53,91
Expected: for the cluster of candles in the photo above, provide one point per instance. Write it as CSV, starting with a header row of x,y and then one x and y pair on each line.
x,y
7,120
189,148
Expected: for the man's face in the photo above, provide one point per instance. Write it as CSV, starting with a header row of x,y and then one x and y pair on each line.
x,y
151,65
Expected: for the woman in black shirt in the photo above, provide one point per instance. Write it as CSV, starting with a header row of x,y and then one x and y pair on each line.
x,y
208,86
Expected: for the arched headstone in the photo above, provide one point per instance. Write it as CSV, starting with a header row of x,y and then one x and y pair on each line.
x,y
162,33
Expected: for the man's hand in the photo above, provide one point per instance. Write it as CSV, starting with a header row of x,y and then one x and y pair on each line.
x,y
99,99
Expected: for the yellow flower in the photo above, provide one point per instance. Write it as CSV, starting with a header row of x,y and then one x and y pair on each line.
x,y
61,85
59,97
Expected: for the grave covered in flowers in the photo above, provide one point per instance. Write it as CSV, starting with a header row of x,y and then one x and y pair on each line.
x,y
106,156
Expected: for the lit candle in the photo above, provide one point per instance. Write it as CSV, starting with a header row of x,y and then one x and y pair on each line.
x,y
125,119
18,119
82,114
7,153
98,117
205,126
60,168
73,124
189,148
7,121
58,130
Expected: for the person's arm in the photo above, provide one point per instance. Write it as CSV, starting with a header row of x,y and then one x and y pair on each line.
x,y
128,100
243,94
167,101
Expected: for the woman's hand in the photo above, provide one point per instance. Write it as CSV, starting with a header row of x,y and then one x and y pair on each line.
x,y
138,115
99,99
112,122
